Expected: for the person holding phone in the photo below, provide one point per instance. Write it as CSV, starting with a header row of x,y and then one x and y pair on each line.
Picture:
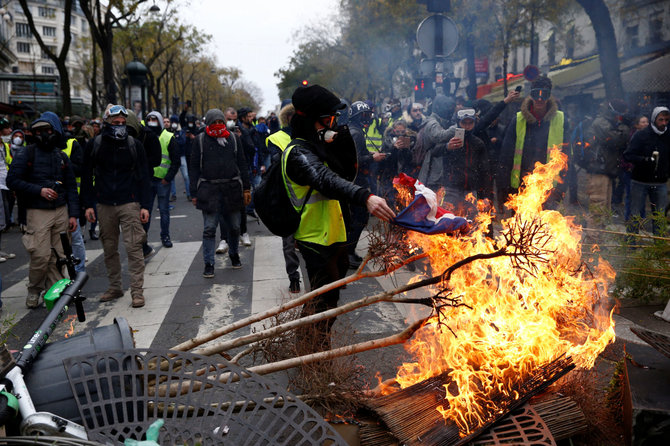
x,y
466,165
397,144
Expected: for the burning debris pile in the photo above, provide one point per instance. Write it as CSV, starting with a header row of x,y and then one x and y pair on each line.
x,y
528,301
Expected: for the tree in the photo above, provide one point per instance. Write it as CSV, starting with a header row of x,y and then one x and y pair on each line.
x,y
102,21
610,68
59,59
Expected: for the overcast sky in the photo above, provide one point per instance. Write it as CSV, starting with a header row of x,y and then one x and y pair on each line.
x,y
257,36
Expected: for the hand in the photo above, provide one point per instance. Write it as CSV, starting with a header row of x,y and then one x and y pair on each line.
x,y
378,156
90,215
163,182
247,197
262,170
194,201
494,140
377,206
48,194
401,143
455,143
513,95
72,224
144,216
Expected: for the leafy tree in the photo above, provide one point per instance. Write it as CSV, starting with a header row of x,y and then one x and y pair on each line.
x,y
59,59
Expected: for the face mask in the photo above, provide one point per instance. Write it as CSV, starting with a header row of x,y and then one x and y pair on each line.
x,y
174,126
116,132
45,140
152,123
6,138
17,141
230,124
326,135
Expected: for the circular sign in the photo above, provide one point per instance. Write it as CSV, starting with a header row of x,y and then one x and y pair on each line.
x,y
437,36
531,72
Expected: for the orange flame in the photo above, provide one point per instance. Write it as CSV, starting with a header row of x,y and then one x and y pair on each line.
x,y
71,319
516,320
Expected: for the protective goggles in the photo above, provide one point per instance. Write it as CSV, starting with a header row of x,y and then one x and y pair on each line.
x,y
329,121
116,110
540,93
466,113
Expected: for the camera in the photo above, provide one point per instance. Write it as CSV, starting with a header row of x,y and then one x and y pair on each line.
x,y
519,88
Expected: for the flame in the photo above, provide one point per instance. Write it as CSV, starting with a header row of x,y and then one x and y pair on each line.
x,y
71,319
516,319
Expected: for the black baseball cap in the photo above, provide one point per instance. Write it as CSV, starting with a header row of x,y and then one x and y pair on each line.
x,y
314,101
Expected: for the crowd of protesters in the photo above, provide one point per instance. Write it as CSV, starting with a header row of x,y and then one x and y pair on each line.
x,y
101,176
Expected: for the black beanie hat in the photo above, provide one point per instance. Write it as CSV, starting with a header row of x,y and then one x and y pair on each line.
x,y
314,101
541,82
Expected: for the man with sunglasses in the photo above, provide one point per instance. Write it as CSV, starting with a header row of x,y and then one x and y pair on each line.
x,y
529,137
43,179
122,193
320,165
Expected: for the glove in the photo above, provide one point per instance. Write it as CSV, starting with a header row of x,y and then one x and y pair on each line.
x,y
152,436
247,197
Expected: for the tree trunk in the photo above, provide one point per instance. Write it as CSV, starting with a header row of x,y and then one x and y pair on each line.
x,y
472,74
108,72
607,48
534,57
65,87
504,67
94,81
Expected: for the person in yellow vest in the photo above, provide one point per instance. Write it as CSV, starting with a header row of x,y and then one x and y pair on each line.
x,y
529,137
163,174
276,143
321,161
75,153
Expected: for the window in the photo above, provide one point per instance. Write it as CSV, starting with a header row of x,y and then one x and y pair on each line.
x,y
48,70
49,31
22,47
43,11
655,29
570,43
23,30
51,48
632,40
551,49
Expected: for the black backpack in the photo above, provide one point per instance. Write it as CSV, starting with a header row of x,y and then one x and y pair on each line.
x,y
273,204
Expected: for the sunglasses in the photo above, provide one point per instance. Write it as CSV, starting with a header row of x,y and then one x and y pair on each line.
x,y
328,121
116,110
417,109
540,93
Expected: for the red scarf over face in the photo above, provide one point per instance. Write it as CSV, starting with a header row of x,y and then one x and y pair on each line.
x,y
217,131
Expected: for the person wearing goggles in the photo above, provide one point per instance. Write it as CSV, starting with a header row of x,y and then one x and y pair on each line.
x,y
530,136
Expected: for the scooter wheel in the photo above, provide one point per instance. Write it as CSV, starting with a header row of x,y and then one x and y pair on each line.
x,y
9,408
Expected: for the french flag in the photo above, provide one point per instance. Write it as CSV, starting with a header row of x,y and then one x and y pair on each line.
x,y
423,214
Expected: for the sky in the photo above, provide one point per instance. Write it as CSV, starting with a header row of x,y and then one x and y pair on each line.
x,y
256,36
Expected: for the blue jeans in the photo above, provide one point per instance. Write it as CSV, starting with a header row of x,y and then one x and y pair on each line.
x,y
658,197
79,250
163,192
211,221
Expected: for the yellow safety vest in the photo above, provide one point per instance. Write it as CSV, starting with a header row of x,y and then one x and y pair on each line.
x,y
555,139
68,152
280,139
8,155
373,139
321,221
162,170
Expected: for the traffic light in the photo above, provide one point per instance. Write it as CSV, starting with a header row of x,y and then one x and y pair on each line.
x,y
423,88
304,83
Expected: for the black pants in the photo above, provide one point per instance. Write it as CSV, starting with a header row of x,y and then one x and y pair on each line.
x,y
325,264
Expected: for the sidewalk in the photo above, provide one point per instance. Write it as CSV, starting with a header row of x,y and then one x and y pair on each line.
x,y
634,313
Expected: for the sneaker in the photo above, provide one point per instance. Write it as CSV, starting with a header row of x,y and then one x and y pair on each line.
x,y
294,287
235,261
147,250
7,255
33,300
92,235
173,198
138,301
167,242
222,248
111,295
209,271
170,207
3,259
246,241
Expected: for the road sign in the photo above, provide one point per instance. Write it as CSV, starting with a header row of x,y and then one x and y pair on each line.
x,y
437,36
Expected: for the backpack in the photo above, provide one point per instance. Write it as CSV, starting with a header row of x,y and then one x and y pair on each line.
x,y
97,142
272,202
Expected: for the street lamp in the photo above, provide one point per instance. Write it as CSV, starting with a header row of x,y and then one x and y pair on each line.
x,y
135,85
154,8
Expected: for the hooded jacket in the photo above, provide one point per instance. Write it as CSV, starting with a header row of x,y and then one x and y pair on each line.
x,y
149,140
38,167
435,138
173,148
646,167
535,142
607,139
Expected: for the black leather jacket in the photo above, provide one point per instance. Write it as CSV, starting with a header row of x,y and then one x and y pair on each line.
x,y
306,166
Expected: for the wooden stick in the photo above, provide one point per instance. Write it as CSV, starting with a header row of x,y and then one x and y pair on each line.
x,y
605,231
195,342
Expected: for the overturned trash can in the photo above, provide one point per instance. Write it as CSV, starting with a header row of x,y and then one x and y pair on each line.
x,y
47,379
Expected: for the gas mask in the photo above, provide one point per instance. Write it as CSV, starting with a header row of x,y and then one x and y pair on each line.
x,y
116,132
46,140
152,123
326,135
17,141
174,126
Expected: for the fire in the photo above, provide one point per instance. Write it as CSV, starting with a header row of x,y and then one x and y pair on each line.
x,y
71,319
516,319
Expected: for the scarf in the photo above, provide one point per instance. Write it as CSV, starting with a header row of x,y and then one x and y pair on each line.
x,y
217,131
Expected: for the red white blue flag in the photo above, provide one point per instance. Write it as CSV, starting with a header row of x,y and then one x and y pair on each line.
x,y
423,214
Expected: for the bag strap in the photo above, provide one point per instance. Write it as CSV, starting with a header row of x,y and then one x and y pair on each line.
x,y
281,170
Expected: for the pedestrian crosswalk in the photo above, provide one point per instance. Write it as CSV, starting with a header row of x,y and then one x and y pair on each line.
x,y
180,303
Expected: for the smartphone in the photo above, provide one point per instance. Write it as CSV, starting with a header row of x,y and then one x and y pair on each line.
x,y
519,88
405,140
460,134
